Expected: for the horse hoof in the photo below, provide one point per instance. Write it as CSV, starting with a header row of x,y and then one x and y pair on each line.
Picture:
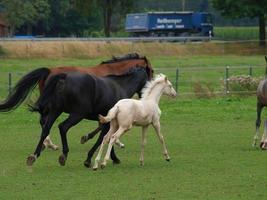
x,y
116,161
263,146
94,168
168,159
87,164
30,160
103,166
83,139
62,160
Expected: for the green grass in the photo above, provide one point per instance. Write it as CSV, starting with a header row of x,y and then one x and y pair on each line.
x,y
209,141
192,68
236,33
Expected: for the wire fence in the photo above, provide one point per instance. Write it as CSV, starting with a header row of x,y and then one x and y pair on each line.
x,y
188,81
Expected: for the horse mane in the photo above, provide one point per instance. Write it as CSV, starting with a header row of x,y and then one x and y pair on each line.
x,y
151,84
130,56
129,72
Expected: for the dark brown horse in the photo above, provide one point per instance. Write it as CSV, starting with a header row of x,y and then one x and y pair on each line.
x,y
115,66
261,102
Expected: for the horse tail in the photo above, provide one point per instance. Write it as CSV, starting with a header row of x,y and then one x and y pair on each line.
x,y
48,94
25,85
112,113
266,66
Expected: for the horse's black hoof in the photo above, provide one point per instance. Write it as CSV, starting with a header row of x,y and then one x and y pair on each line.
x,y
87,164
117,161
30,160
94,168
83,139
62,160
102,166
168,159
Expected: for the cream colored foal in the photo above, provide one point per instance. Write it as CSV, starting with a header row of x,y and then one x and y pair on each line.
x,y
143,112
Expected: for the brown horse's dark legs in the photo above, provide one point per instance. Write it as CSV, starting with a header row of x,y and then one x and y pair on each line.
x,y
90,135
46,123
105,128
72,120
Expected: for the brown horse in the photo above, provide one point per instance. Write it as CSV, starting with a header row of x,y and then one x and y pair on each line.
x,y
115,66
261,102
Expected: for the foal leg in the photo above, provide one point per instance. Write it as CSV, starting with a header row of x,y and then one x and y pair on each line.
x,y
45,132
156,126
113,139
63,128
258,123
105,129
119,144
105,140
143,142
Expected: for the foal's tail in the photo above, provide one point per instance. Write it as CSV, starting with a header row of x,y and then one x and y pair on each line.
x,y
25,85
48,94
112,113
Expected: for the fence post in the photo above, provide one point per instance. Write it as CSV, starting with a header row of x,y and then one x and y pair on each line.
x,y
227,80
250,70
9,82
176,79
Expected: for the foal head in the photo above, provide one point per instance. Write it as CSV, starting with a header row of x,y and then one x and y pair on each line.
x,y
168,89
160,83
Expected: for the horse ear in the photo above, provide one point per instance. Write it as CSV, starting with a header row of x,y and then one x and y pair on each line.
x,y
166,79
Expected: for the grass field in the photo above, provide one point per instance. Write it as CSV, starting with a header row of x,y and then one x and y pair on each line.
x,y
209,141
237,33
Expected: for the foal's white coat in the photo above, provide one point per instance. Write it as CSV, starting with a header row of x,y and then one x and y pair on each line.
x,y
143,112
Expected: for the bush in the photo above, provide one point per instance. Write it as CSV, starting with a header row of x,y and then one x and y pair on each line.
x,y
243,83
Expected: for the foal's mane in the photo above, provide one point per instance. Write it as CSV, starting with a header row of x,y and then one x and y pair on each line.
x,y
130,56
151,84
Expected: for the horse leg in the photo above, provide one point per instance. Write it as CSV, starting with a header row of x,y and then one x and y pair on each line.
x,y
258,123
89,136
264,137
72,120
104,141
105,129
156,126
113,138
47,142
143,142
45,132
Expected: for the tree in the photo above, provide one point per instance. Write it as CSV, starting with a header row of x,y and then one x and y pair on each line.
x,y
245,8
108,7
27,12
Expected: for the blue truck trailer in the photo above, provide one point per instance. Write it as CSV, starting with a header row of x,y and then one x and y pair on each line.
x,y
169,24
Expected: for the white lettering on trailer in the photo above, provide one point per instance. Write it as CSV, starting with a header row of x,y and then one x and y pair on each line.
x,y
168,21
